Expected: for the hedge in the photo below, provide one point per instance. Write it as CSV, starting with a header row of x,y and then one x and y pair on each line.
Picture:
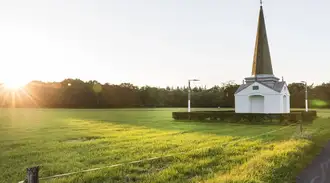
x,y
231,116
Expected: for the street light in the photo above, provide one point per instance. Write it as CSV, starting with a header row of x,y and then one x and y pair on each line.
x,y
306,95
189,92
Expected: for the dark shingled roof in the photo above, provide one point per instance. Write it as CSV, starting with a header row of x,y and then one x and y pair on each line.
x,y
276,87
242,87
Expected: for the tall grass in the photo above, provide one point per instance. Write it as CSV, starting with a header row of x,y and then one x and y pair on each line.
x,y
62,141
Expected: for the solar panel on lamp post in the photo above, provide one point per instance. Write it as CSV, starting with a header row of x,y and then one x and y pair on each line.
x,y
189,91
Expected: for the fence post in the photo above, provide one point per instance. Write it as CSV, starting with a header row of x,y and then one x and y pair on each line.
x,y
127,179
32,175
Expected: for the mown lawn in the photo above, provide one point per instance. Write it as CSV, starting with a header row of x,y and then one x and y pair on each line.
x,y
62,141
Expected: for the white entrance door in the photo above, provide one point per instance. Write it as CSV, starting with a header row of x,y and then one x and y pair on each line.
x,y
257,104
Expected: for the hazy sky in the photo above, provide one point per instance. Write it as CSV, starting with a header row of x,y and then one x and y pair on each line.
x,y
160,42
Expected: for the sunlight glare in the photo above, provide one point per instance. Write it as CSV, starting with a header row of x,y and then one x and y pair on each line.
x,y
13,85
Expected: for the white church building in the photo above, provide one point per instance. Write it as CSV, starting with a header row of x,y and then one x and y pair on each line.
x,y
262,92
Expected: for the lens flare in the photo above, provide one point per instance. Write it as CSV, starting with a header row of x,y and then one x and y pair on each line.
x,y
13,85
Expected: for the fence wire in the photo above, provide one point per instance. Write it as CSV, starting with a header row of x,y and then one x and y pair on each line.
x,y
154,158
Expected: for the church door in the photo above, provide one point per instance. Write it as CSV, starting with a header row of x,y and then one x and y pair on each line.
x,y
257,104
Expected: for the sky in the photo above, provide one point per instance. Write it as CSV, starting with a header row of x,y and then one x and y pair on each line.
x,y
160,42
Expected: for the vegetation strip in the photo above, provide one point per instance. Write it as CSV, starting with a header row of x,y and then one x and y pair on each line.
x,y
75,93
154,158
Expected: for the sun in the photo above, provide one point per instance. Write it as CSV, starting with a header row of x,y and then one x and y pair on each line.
x,y
13,85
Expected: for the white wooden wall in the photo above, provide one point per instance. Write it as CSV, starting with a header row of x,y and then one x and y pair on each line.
x,y
272,101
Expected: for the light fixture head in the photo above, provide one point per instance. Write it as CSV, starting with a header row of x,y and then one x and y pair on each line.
x,y
193,79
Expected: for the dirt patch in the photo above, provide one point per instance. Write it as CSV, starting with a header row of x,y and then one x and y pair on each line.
x,y
82,139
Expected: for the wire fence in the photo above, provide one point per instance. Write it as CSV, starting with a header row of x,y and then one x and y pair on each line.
x,y
144,160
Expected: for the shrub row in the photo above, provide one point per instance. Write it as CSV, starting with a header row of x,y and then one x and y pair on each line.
x,y
307,116
231,116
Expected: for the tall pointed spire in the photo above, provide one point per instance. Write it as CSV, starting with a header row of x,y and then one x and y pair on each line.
x,y
262,63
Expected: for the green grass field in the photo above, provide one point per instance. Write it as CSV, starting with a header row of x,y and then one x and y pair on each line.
x,y
63,141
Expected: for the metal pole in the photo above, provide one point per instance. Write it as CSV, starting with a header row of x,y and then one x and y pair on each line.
x,y
188,95
306,97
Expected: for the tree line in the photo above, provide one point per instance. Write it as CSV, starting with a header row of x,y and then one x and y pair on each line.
x,y
75,93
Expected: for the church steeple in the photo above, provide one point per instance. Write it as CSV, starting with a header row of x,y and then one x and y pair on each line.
x,y
262,63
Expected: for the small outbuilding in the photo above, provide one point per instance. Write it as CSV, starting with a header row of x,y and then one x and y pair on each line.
x,y
262,92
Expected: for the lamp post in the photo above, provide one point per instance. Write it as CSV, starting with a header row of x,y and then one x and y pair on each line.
x,y
306,96
189,91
